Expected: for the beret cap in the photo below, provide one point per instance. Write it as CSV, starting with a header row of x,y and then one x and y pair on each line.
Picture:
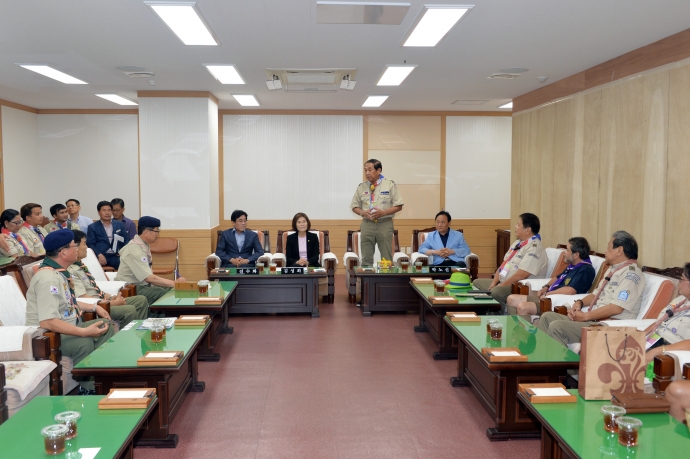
x,y
149,222
57,239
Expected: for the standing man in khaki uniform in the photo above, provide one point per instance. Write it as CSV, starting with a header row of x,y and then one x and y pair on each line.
x,y
51,304
526,259
124,310
376,201
136,261
618,295
31,231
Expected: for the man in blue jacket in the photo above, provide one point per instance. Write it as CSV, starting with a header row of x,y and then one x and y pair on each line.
x,y
107,236
445,247
236,246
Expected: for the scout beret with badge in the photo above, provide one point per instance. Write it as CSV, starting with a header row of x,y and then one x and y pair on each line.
x,y
57,239
149,222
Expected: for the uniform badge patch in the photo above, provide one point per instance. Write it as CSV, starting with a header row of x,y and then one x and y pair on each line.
x,y
53,289
145,260
623,296
567,281
633,277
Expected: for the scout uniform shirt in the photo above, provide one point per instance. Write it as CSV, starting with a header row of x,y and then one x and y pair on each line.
x,y
385,196
31,239
54,226
82,284
49,297
135,262
624,289
677,327
531,258
16,247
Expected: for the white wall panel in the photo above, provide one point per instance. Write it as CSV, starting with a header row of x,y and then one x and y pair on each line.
x,y
91,158
478,155
278,165
410,167
176,149
21,163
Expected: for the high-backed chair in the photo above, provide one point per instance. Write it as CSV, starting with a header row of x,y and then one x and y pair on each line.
x,y
213,262
525,286
24,352
165,245
418,238
15,269
327,259
105,280
353,258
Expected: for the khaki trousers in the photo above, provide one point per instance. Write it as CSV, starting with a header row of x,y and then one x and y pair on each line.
x,y
373,233
500,294
561,328
78,347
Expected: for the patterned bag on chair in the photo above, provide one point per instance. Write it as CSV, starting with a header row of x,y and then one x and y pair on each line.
x,y
611,360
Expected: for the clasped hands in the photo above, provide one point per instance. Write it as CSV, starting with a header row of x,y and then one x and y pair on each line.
x,y
575,312
302,262
239,261
372,214
444,252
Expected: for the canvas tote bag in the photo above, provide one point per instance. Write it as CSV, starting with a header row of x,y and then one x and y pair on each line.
x,y
611,360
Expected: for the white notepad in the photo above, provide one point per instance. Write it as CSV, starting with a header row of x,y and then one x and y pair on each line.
x,y
161,355
192,317
128,394
505,353
464,314
550,392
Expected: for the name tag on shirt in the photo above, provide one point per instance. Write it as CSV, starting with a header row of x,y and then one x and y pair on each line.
x,y
385,193
504,272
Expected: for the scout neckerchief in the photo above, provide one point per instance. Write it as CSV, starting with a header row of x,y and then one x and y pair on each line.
x,y
675,309
561,278
608,277
140,242
49,263
373,186
92,279
59,225
35,230
17,238
514,250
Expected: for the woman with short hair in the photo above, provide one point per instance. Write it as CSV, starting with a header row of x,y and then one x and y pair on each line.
x,y
302,248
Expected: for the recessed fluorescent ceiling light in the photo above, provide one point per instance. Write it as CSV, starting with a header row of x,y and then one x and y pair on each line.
x,y
246,100
508,105
434,22
185,20
52,73
117,99
374,101
394,75
226,74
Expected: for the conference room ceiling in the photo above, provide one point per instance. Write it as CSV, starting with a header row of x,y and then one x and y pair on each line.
x,y
88,39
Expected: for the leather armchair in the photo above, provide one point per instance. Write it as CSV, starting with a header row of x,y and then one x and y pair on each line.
x,y
213,262
418,238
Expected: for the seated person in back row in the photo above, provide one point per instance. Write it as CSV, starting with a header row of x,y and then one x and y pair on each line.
x,y
51,304
107,236
302,247
14,245
236,246
445,247
124,310
60,219
576,279
136,261
31,230
525,259
618,295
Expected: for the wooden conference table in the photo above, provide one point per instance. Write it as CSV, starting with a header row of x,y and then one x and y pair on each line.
x,y
576,430
389,290
272,293
114,365
180,302
111,431
496,384
431,317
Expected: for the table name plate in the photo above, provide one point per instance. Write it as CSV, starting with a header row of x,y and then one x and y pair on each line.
x,y
292,270
440,269
247,271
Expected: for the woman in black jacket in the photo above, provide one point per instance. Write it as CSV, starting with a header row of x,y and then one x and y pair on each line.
x,y
302,247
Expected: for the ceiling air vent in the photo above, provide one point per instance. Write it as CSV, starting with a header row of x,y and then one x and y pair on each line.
x,y
503,76
141,74
469,102
310,80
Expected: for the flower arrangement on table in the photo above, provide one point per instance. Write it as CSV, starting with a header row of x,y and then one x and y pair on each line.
x,y
385,264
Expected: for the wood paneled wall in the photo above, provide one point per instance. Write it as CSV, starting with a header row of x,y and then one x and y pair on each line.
x,y
616,157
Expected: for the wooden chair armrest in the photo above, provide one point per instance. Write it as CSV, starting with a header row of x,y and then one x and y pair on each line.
x,y
515,288
562,310
108,269
329,264
40,346
4,410
158,271
664,369
127,291
686,371
544,305
474,268
352,263
55,356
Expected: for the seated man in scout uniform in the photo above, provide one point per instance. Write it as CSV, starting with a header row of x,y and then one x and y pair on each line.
x,y
135,262
525,259
31,231
51,304
618,295
576,279
124,310
60,219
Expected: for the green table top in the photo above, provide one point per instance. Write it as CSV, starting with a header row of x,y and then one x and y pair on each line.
x,y
426,290
20,436
517,332
186,298
581,426
6,260
126,346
